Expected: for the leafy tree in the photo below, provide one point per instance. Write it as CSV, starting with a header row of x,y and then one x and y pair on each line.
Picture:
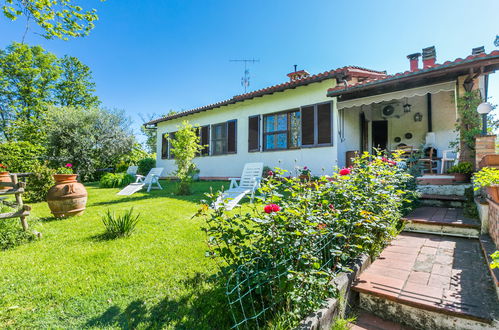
x,y
75,87
149,133
185,146
28,77
58,18
90,139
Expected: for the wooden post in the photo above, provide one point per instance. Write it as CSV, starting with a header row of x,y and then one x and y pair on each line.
x,y
23,210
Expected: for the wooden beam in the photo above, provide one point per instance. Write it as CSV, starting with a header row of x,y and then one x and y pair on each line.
x,y
21,212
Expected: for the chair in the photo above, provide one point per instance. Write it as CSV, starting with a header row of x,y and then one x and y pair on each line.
x,y
150,179
248,184
430,163
132,170
448,156
406,151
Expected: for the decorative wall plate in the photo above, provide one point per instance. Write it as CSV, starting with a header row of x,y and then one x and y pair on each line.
x,y
397,139
408,136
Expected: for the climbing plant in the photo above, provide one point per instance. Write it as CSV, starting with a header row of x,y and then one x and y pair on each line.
x,y
468,125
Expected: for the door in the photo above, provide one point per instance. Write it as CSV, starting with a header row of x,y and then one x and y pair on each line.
x,y
380,134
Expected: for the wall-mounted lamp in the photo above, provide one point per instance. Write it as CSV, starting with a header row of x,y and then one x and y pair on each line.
x,y
483,109
407,106
418,116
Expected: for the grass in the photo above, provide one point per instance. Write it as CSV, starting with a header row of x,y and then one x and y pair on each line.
x,y
158,277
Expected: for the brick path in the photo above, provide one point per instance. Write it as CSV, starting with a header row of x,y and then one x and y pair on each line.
x,y
439,273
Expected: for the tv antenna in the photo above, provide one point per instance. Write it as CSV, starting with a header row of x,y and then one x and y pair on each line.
x,y
245,80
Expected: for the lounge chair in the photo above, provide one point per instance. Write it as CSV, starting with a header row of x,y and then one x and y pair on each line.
x,y
149,180
132,170
248,184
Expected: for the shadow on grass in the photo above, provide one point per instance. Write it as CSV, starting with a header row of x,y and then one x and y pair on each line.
x,y
201,308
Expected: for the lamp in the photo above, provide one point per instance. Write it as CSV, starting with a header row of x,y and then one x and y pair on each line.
x,y
418,116
484,108
406,106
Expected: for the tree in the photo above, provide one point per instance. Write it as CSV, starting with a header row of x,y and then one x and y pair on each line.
x,y
28,76
184,147
149,133
58,18
90,139
75,87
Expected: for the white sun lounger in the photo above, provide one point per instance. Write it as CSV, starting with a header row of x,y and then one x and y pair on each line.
x,y
152,178
248,184
132,170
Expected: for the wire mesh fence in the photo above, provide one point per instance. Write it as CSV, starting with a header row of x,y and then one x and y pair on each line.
x,y
256,290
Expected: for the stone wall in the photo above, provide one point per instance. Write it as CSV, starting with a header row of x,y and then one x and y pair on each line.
x,y
494,222
485,145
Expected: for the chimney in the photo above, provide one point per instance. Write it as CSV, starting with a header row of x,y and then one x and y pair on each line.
x,y
414,61
478,50
429,56
297,75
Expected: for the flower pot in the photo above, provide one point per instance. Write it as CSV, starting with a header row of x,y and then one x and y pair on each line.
x,y
67,197
5,178
461,177
493,192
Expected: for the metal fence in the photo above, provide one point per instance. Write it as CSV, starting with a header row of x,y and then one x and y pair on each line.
x,y
255,291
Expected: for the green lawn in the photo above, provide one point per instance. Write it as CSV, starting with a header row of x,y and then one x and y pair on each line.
x,y
157,278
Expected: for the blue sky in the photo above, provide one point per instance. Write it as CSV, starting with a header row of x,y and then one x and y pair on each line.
x,y
151,56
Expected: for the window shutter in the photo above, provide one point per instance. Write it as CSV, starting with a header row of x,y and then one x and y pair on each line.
x,y
164,146
324,123
205,140
232,136
170,154
254,133
307,126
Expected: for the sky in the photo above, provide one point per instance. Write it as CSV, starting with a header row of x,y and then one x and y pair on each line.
x,y
152,56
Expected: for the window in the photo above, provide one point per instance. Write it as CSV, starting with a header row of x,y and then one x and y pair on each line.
x,y
316,125
282,131
254,133
224,138
204,140
170,154
164,146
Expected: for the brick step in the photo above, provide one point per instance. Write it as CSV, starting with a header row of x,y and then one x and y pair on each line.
x,y
441,220
430,282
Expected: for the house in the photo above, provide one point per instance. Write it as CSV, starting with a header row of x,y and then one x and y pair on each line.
x,y
319,120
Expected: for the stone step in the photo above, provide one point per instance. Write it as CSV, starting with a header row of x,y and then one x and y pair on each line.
x,y
369,321
445,190
430,282
436,200
441,220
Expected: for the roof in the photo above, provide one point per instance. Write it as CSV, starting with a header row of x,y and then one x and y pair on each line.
x,y
353,71
377,82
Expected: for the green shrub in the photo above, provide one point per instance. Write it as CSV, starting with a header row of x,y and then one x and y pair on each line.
x,y
300,235
20,156
39,183
115,180
486,177
462,168
120,225
11,232
145,165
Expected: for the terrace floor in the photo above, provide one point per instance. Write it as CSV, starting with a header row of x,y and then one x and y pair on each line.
x,y
449,216
438,273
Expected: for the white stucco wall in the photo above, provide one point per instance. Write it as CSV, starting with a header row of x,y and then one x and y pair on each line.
x,y
319,159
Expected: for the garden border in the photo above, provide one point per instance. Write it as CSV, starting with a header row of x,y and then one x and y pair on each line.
x,y
324,317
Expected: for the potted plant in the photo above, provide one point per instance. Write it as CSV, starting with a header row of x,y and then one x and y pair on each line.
x,y
305,173
488,177
67,197
462,171
4,177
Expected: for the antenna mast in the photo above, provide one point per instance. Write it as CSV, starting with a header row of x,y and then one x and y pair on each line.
x,y
245,80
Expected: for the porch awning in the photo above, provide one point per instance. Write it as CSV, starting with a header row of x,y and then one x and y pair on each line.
x,y
419,91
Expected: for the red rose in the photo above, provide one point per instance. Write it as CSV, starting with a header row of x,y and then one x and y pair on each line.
x,y
331,206
345,171
271,208
270,173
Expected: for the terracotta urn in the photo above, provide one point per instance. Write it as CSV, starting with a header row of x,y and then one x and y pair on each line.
x,y
493,192
67,197
5,178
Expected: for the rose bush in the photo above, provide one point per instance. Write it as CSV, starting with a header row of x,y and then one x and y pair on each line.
x,y
306,232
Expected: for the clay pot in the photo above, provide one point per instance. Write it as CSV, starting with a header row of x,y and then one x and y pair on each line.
x,y
67,197
5,178
493,192
461,177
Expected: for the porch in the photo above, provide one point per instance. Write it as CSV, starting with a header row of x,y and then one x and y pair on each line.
x,y
415,120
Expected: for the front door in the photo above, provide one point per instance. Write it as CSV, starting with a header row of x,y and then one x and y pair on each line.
x,y
380,134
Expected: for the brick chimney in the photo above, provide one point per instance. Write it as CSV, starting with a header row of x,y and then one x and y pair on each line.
x,y
297,75
478,50
414,61
429,56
